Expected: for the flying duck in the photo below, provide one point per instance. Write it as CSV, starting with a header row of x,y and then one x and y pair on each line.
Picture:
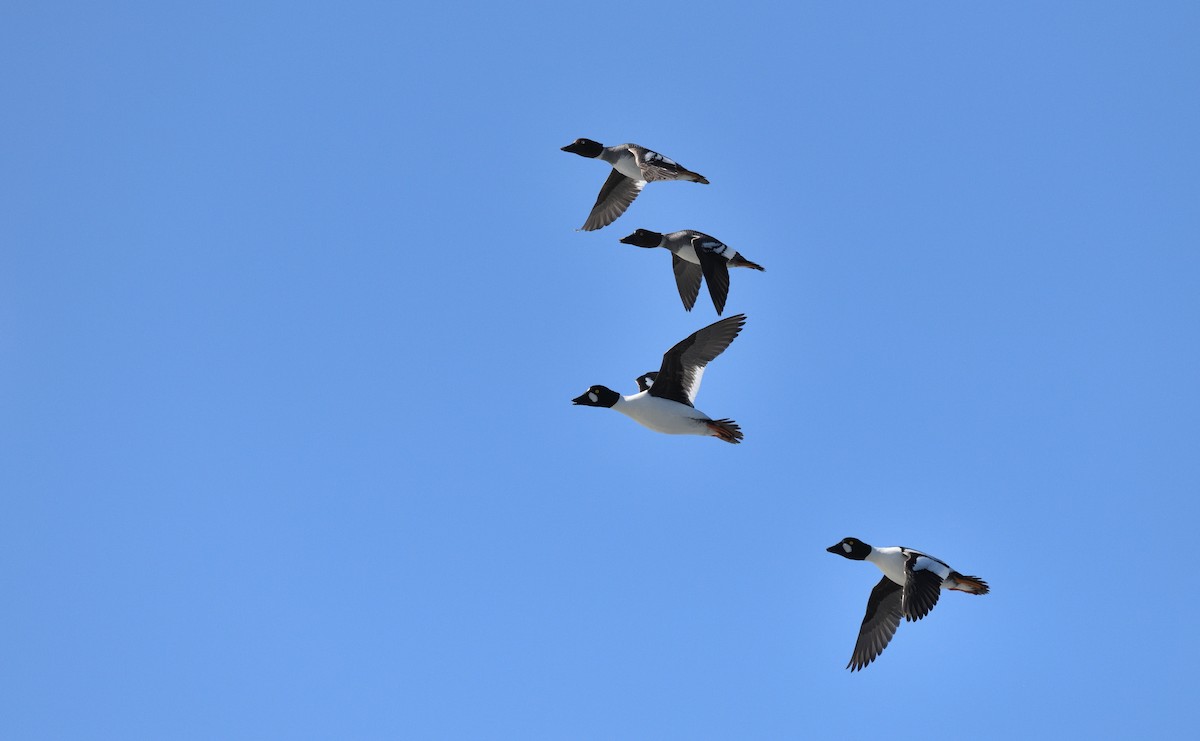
x,y
665,401
633,167
695,254
911,584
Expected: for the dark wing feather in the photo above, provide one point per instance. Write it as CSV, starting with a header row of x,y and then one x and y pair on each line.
x,y
683,365
716,274
616,195
921,589
879,624
687,280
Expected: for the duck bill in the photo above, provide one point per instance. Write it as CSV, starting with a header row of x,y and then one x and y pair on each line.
x,y
579,400
835,548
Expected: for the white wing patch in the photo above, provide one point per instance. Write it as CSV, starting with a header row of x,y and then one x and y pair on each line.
x,y
654,166
652,156
717,248
691,389
928,564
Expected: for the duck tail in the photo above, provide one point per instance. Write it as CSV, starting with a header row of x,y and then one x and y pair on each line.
x,y
725,429
968,584
740,262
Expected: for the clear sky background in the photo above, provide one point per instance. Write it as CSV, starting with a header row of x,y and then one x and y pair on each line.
x,y
292,308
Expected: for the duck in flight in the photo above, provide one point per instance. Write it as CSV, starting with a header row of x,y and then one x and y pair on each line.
x,y
911,584
694,255
666,399
632,167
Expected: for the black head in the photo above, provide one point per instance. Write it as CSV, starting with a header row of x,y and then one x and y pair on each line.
x,y
643,238
584,148
597,396
851,548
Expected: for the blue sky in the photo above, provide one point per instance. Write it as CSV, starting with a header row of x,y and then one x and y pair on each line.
x,y
293,306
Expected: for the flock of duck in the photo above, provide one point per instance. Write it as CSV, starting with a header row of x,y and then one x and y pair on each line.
x,y
912,581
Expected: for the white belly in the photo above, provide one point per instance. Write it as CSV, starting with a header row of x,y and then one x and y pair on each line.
x,y
688,253
663,415
627,166
891,562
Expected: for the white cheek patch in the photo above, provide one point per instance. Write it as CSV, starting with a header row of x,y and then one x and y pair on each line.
x,y
846,547
593,397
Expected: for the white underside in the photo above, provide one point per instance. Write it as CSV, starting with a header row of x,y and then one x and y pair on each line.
x,y
664,415
627,166
687,253
890,561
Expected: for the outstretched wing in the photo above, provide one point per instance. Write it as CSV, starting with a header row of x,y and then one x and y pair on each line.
x,y
616,195
879,624
715,267
687,280
683,365
922,587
